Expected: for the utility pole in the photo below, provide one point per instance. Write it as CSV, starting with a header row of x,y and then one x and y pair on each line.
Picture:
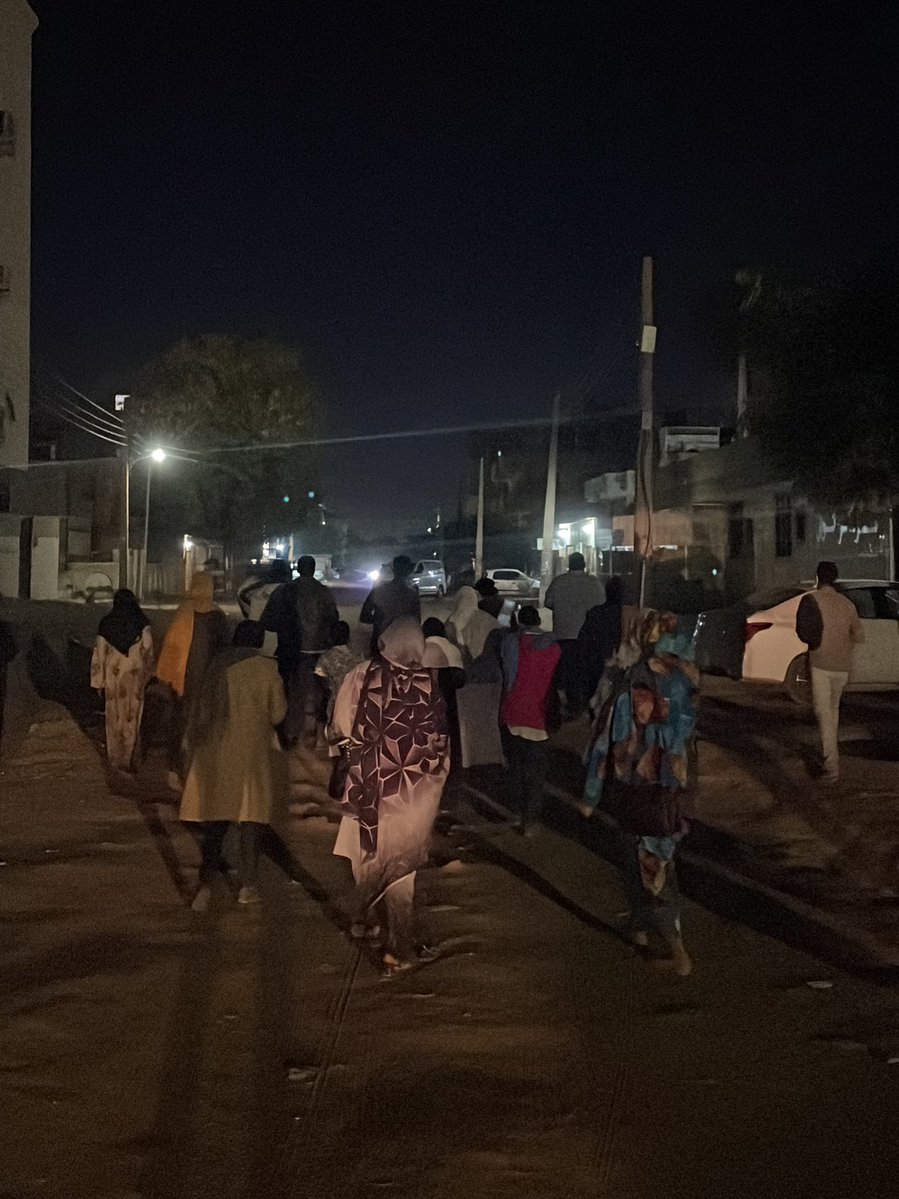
x,y
645,472
124,581
549,504
742,395
479,536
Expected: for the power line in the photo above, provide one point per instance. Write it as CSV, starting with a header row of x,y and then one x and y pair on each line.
x,y
63,416
69,388
404,434
74,409
53,405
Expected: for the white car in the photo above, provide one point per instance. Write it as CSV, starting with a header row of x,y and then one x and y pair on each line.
x,y
429,577
513,582
774,654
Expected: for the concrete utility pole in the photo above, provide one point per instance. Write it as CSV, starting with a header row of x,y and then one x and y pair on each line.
x,y
549,505
479,536
742,396
124,567
646,446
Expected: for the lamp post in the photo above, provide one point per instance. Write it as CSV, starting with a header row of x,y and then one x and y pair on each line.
x,y
157,455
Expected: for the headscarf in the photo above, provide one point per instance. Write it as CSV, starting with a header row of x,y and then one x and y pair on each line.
x,y
172,665
469,626
465,607
125,623
400,719
650,627
403,643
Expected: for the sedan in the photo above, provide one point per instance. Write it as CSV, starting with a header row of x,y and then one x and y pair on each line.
x,y
513,582
773,653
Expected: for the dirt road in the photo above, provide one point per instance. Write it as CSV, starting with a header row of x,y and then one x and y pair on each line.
x,y
255,1053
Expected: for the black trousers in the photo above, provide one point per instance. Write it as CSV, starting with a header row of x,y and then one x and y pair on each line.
x,y
528,763
212,842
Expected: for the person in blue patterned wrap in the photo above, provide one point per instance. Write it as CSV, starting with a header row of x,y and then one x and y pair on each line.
x,y
637,770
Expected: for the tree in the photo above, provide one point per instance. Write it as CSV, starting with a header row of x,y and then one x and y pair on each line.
x,y
824,382
222,400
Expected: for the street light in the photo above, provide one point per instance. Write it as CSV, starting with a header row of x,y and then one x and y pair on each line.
x,y
157,455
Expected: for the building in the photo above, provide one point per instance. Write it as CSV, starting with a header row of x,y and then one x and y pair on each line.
x,y
17,24
726,524
60,529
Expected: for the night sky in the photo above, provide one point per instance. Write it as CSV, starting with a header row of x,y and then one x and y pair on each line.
x,y
446,203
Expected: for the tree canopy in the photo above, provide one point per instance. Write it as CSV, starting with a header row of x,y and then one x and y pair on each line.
x,y
824,381
221,401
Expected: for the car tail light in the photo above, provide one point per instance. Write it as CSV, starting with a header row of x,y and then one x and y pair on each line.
x,y
752,629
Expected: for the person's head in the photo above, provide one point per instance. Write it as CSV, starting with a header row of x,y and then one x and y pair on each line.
x,y
402,566
528,618
279,571
249,634
576,562
433,627
651,626
485,587
125,600
403,642
340,634
827,573
492,605
614,590
306,567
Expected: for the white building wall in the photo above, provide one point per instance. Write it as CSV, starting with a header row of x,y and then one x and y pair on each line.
x,y
17,23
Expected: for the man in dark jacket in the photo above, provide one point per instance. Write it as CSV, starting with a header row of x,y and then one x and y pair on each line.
x,y
303,614
393,598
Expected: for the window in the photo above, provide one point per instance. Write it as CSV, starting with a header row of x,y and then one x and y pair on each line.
x,y
506,574
783,525
739,534
4,279
7,134
801,525
888,603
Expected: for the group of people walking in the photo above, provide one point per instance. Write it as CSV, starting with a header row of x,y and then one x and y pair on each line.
x,y
488,686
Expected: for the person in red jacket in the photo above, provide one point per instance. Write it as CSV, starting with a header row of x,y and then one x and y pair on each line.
x,y
530,658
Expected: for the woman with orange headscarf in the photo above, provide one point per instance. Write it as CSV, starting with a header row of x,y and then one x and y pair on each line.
x,y
199,629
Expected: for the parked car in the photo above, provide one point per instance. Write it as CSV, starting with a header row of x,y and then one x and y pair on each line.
x,y
513,582
429,577
775,654
719,638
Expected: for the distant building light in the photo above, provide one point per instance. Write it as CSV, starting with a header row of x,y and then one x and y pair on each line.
x,y
310,495
120,403
285,499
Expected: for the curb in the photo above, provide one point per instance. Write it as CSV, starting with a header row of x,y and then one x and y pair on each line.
x,y
736,896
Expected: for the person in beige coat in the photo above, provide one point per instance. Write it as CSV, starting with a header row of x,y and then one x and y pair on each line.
x,y
232,774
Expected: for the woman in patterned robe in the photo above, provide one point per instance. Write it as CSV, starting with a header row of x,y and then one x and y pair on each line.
x,y
121,665
390,715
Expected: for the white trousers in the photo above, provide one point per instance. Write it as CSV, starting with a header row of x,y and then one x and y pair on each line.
x,y
827,691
